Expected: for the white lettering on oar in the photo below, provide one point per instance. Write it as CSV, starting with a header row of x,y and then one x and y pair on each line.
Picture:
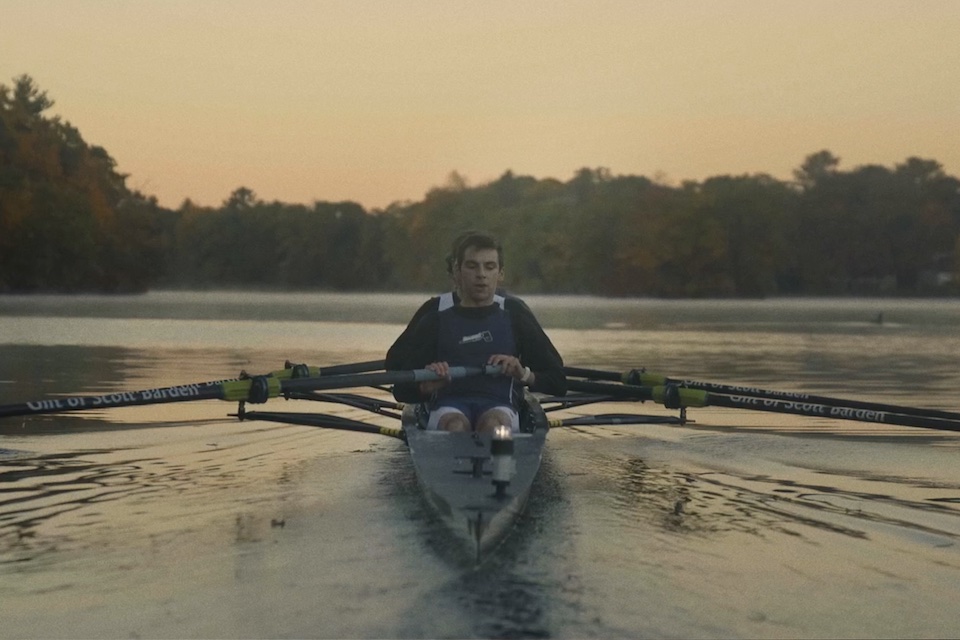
x,y
45,405
116,399
754,391
113,398
786,406
149,395
807,408
183,391
859,414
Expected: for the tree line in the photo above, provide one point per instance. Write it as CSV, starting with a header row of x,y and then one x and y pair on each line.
x,y
69,223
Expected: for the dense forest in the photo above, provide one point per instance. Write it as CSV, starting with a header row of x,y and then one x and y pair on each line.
x,y
69,223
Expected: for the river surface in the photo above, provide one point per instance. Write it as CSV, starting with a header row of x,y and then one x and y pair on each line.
x,y
178,521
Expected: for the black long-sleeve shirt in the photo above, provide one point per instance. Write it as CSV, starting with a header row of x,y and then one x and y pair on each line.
x,y
400,349
534,348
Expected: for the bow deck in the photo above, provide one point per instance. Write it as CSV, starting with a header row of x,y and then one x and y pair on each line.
x,y
455,472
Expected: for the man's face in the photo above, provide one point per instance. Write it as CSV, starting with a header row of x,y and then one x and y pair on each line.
x,y
479,274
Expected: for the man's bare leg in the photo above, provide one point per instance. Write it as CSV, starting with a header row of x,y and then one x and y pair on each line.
x,y
453,421
493,418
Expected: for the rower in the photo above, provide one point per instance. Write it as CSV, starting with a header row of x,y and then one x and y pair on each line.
x,y
398,351
478,330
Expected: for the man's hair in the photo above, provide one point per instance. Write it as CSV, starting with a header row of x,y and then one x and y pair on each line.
x,y
479,241
454,248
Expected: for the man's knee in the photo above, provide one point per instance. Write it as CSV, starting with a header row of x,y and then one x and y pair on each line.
x,y
453,421
493,418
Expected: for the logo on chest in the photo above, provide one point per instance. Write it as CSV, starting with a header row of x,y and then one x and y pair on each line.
x,y
483,336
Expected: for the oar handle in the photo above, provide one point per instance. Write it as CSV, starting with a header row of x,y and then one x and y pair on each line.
x,y
374,379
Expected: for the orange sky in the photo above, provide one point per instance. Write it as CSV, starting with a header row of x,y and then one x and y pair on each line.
x,y
378,101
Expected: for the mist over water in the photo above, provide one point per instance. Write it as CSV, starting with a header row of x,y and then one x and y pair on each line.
x,y
179,521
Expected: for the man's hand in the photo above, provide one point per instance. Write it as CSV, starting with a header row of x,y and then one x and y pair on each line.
x,y
509,365
442,369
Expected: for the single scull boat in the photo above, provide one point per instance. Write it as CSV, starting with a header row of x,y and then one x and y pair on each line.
x,y
478,484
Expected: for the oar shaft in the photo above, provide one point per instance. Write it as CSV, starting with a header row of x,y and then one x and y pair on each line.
x,y
646,379
628,392
819,410
613,419
374,379
182,393
323,421
270,386
675,397
639,377
593,374
296,370
356,367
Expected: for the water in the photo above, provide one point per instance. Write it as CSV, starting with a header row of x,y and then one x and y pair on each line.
x,y
176,521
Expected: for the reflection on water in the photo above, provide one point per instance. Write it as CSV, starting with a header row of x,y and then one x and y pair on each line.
x,y
34,490
770,536
60,495
738,524
713,502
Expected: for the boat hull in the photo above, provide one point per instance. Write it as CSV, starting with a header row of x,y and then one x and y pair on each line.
x,y
455,473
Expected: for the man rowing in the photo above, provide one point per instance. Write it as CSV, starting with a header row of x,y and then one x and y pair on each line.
x,y
482,328
400,349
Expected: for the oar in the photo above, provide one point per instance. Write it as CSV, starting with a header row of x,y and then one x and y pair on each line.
x,y
256,389
350,399
381,407
674,397
572,400
213,389
640,377
613,419
347,424
304,371
322,421
594,374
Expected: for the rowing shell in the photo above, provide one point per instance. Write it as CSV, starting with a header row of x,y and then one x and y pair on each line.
x,y
456,474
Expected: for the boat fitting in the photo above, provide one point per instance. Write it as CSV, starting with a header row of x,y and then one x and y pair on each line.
x,y
504,466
